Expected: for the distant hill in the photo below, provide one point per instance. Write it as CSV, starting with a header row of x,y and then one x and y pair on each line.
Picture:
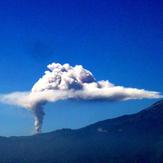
x,y
136,138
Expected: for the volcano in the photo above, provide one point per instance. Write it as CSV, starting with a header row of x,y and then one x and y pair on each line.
x,y
130,138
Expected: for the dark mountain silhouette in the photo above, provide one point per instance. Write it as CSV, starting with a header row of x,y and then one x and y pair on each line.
x,y
136,138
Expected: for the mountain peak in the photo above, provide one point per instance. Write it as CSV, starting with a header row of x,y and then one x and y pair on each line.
x,y
158,104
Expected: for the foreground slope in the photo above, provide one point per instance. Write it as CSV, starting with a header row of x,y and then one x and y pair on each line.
x,y
130,138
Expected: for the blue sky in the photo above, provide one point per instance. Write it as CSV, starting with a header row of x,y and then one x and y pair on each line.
x,y
116,40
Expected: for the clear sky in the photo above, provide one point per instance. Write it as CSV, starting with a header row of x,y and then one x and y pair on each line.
x,y
116,40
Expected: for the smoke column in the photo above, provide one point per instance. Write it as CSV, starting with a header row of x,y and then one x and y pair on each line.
x,y
38,117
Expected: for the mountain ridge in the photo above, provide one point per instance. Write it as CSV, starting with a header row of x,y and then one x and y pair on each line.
x,y
137,137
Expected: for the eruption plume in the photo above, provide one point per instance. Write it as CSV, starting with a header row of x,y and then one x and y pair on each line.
x,y
61,82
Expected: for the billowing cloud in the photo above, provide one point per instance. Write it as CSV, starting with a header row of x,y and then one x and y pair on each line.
x,y
61,82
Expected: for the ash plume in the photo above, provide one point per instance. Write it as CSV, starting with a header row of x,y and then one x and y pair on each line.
x,y
61,82
38,112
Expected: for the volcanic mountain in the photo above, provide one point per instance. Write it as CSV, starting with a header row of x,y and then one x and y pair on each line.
x,y
134,138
